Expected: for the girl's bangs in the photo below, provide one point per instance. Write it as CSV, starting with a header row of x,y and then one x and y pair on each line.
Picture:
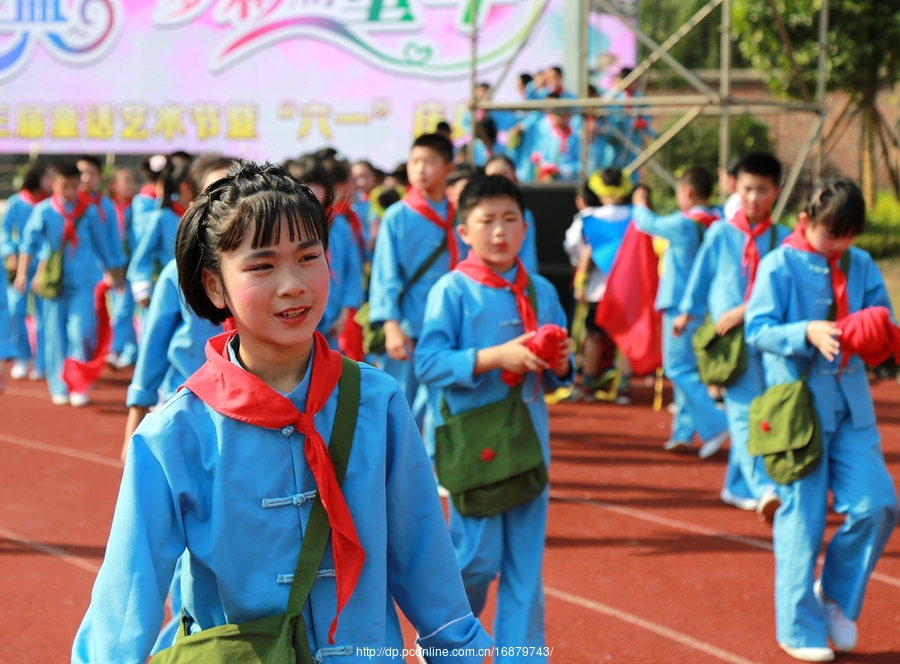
x,y
269,209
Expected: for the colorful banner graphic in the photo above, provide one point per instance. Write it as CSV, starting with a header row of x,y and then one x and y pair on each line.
x,y
264,79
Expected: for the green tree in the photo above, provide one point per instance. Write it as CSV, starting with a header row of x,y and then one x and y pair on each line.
x,y
863,59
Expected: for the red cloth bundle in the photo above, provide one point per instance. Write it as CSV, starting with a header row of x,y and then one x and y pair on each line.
x,y
80,376
545,344
869,333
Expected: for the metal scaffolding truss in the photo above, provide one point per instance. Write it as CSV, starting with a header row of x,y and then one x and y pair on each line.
x,y
703,100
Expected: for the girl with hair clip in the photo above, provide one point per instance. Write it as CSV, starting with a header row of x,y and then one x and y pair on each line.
x,y
35,188
156,244
807,294
273,437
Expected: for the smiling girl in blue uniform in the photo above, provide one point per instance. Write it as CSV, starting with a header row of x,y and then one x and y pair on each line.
x,y
234,492
788,321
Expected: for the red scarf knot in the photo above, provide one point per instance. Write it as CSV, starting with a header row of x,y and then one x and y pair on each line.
x,y
474,268
797,240
238,394
751,258
82,203
417,203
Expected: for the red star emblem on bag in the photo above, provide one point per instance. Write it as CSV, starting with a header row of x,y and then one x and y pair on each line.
x,y
487,454
765,426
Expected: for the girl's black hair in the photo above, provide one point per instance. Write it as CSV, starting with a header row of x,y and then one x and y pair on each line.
x,y
587,194
312,172
172,177
34,172
838,204
253,198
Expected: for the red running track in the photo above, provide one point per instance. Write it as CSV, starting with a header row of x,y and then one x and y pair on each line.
x,y
643,562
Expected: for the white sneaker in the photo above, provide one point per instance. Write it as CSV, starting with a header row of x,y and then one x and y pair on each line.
x,y
841,630
713,445
19,370
79,400
747,504
59,399
36,374
809,654
676,445
767,507
672,408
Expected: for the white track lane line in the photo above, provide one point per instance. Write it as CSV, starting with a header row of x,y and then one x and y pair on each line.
x,y
33,393
77,561
664,632
691,528
59,449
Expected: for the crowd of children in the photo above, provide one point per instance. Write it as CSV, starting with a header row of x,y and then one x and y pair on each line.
x,y
236,290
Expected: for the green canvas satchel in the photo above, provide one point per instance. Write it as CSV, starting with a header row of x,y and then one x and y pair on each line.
x,y
722,360
373,333
50,281
784,426
489,458
279,639
785,431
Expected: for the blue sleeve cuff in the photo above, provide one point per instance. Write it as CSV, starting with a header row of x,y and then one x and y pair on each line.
x,y
140,397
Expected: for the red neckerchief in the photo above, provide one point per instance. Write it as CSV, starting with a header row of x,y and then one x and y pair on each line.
x,y
238,394
344,208
30,198
82,203
97,199
562,135
797,240
178,208
702,215
751,258
148,190
121,207
475,269
417,203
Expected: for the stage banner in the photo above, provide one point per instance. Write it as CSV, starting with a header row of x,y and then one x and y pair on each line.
x,y
264,79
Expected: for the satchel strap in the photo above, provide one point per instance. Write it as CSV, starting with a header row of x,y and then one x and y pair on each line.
x,y
317,528
424,267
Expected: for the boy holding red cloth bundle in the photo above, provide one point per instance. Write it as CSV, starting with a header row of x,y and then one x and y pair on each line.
x,y
788,319
491,339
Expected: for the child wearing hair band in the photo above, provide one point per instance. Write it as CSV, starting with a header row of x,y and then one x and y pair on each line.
x,y
156,244
217,479
788,321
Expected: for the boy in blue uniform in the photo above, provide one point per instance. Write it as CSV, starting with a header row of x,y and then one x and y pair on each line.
x,y
503,165
156,240
35,188
684,230
719,285
123,303
788,320
478,320
410,232
69,223
7,347
212,478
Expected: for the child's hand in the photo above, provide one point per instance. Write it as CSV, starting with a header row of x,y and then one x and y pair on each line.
x,y
823,335
20,283
730,320
513,356
396,343
640,197
679,325
561,370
